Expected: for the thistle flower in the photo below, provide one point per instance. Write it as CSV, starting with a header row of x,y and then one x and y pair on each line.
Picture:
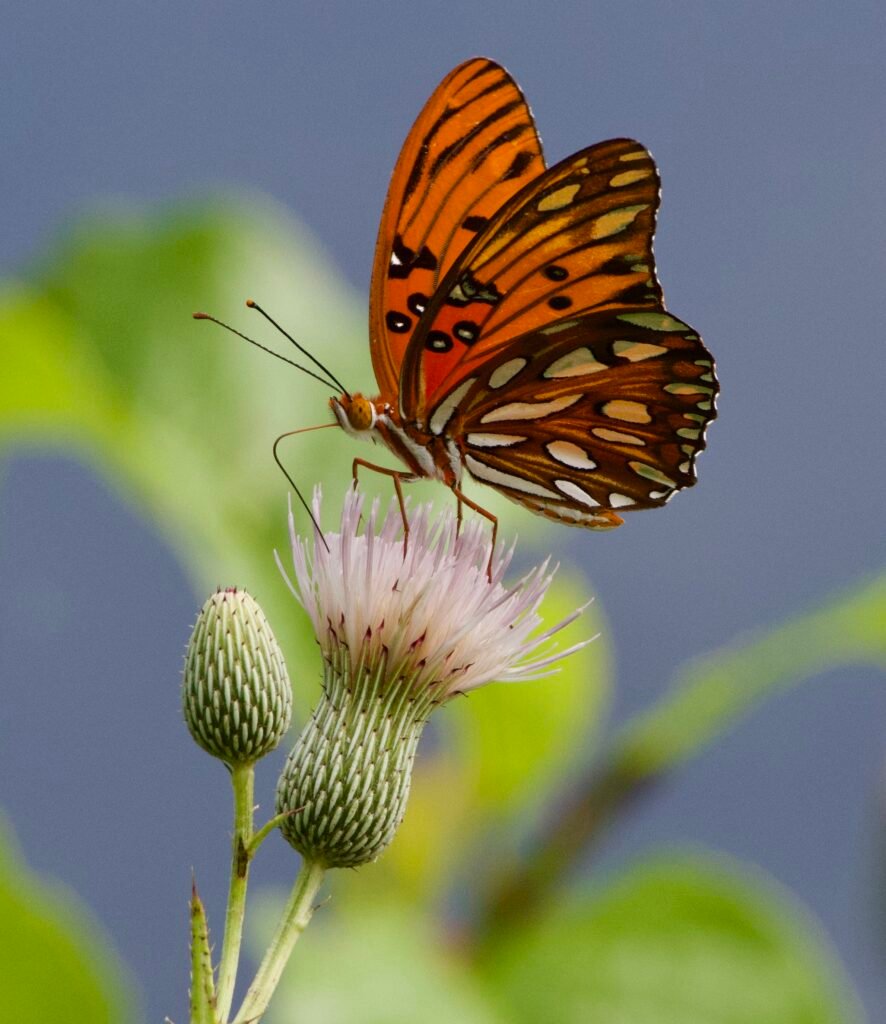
x,y
236,695
401,632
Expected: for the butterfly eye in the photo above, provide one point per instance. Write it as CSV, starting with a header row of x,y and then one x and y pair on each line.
x,y
361,413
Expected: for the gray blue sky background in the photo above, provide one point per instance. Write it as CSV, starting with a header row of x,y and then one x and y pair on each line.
x,y
767,122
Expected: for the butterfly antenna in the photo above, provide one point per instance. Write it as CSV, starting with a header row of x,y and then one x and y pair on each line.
x,y
252,304
332,385
307,508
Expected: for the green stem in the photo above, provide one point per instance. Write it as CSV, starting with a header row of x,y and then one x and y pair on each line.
x,y
243,783
262,834
295,919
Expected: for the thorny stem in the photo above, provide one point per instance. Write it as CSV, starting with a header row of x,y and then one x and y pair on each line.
x,y
243,784
293,922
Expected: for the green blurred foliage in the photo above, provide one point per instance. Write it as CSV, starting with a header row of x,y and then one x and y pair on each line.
x,y
180,416
677,941
380,964
54,963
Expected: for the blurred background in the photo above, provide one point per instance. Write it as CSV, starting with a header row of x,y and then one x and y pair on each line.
x,y
162,158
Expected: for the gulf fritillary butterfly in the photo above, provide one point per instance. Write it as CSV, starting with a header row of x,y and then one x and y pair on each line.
x,y
517,328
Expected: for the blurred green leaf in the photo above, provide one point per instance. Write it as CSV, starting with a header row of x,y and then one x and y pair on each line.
x,y
55,964
679,941
380,966
715,690
180,415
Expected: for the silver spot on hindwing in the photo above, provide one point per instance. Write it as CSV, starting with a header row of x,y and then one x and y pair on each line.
x,y
444,411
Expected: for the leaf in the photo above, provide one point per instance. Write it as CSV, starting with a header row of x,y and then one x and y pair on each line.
x,y
850,629
202,976
177,414
379,966
677,941
56,965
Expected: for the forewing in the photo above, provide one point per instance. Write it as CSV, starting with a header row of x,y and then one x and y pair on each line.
x,y
576,239
473,146
586,418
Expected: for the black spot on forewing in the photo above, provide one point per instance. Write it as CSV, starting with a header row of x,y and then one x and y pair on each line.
x,y
404,260
560,302
396,322
553,272
518,165
474,223
466,331
438,341
417,303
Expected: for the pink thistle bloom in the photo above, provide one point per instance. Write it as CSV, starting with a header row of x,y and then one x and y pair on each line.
x,y
432,613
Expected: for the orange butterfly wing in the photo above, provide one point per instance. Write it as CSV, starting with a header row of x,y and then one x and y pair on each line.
x,y
473,147
602,412
577,238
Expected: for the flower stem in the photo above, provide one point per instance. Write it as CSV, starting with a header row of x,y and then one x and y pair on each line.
x,y
295,919
243,783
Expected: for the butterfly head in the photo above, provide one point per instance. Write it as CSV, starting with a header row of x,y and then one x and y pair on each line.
x,y
357,415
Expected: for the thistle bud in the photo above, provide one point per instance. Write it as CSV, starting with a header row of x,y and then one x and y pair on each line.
x,y
346,781
236,695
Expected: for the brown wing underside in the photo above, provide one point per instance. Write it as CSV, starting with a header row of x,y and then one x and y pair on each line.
x,y
602,414
473,146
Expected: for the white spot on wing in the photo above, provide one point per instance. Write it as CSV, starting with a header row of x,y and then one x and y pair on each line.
x,y
653,474
495,476
493,440
574,364
637,351
570,454
529,410
443,413
617,436
617,500
501,375
576,492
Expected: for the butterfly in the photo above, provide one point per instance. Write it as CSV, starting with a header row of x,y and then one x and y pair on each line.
x,y
517,328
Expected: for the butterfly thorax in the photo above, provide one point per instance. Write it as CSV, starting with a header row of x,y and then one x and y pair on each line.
x,y
425,454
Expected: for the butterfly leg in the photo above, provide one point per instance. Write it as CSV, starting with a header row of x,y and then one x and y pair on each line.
x,y
398,479
462,498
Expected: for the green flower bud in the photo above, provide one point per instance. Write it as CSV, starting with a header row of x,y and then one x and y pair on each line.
x,y
236,695
346,782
